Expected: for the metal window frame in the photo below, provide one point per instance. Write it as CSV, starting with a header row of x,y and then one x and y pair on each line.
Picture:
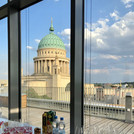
x,y
77,66
14,64
11,10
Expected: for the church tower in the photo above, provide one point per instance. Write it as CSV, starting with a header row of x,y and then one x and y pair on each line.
x,y
51,55
51,67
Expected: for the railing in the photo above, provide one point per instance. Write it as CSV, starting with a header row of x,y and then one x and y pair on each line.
x,y
106,102
109,103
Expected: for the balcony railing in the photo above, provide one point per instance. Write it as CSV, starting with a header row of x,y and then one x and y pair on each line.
x,y
102,102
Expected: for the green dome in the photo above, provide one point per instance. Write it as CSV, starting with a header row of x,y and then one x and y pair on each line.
x,y
51,40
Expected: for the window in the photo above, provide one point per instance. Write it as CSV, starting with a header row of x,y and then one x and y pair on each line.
x,y
3,69
109,67
39,82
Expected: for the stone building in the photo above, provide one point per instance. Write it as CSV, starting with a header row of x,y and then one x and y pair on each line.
x,y
51,66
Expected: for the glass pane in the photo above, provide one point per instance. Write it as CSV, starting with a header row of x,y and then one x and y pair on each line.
x,y
46,61
109,66
3,2
3,69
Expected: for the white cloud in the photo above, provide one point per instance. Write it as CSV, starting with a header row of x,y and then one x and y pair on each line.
x,y
115,39
100,43
115,15
128,3
37,41
56,0
65,33
97,71
30,48
67,45
108,56
128,72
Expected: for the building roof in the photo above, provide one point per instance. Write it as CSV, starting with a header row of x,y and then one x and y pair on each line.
x,y
51,40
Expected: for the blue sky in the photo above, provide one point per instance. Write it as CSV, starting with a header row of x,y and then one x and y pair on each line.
x,y
39,24
2,2
112,57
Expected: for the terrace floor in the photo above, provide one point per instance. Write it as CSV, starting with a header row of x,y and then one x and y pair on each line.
x,y
34,117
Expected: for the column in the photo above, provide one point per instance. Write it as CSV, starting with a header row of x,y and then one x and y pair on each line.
x,y
38,66
42,70
34,67
67,67
44,66
64,67
50,68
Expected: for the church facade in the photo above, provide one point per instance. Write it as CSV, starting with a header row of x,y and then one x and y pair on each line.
x,y
51,67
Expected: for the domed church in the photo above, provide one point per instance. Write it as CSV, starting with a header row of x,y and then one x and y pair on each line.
x,y
51,66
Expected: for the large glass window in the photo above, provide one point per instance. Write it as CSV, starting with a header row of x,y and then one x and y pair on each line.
x,y
3,69
109,67
46,61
